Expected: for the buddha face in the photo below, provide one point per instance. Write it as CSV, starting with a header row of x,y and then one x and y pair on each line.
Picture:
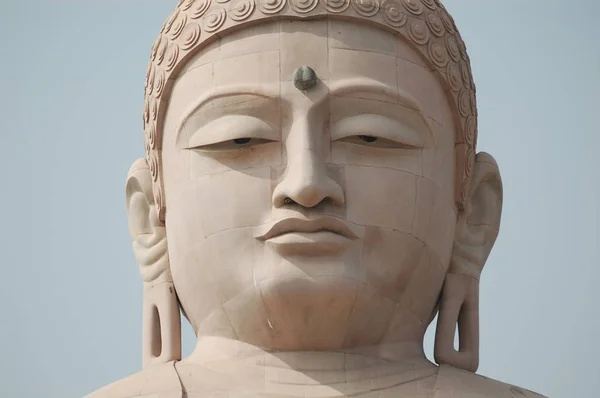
x,y
316,219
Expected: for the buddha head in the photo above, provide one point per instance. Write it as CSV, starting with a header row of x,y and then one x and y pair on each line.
x,y
311,180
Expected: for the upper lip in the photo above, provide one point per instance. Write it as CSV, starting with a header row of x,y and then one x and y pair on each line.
x,y
293,224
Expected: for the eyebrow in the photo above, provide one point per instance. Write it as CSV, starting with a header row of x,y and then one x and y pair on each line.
x,y
340,88
223,92
345,87
365,85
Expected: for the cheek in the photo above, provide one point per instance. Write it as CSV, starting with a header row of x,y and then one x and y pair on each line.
x,y
214,271
423,289
219,202
439,162
403,270
435,219
195,290
235,199
380,197
209,229
390,259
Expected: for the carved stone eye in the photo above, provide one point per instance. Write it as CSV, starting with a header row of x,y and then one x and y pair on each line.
x,y
241,141
367,138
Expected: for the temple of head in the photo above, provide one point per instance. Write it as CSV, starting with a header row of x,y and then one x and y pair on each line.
x,y
310,200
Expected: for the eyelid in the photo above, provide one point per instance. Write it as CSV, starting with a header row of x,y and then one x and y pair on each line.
x,y
378,126
231,127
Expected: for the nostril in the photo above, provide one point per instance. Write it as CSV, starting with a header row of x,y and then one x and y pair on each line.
x,y
305,183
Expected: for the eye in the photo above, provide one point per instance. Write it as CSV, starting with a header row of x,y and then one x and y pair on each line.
x,y
377,131
231,133
232,145
367,138
376,142
242,141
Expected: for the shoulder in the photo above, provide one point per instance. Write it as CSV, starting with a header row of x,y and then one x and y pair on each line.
x,y
452,381
160,379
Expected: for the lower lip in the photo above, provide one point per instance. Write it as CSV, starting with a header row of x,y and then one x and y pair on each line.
x,y
310,243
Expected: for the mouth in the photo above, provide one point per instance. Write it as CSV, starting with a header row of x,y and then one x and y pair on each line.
x,y
309,237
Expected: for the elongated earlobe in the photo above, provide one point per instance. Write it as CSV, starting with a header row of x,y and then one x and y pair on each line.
x,y
161,326
459,306
476,231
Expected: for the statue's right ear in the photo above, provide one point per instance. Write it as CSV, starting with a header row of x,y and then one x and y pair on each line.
x,y
161,320
142,214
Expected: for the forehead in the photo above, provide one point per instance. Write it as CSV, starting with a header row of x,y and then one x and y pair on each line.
x,y
267,54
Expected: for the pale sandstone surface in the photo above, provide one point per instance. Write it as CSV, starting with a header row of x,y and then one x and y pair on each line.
x,y
311,199
174,380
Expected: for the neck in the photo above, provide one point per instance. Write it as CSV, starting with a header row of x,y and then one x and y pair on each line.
x,y
326,374
211,349
399,339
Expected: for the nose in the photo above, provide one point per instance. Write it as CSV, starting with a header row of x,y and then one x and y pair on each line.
x,y
306,182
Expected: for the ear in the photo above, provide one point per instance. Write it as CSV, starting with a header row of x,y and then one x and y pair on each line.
x,y
147,233
476,231
141,209
478,224
161,319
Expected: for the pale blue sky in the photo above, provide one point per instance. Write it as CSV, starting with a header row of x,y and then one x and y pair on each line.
x,y
72,76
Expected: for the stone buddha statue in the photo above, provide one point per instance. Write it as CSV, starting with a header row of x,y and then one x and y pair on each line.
x,y
310,200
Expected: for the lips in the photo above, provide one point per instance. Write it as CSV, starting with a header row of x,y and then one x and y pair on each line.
x,y
294,225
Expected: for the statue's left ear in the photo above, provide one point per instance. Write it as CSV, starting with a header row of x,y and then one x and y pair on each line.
x,y
477,227
478,224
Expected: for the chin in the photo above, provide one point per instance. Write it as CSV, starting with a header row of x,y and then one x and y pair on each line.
x,y
308,313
